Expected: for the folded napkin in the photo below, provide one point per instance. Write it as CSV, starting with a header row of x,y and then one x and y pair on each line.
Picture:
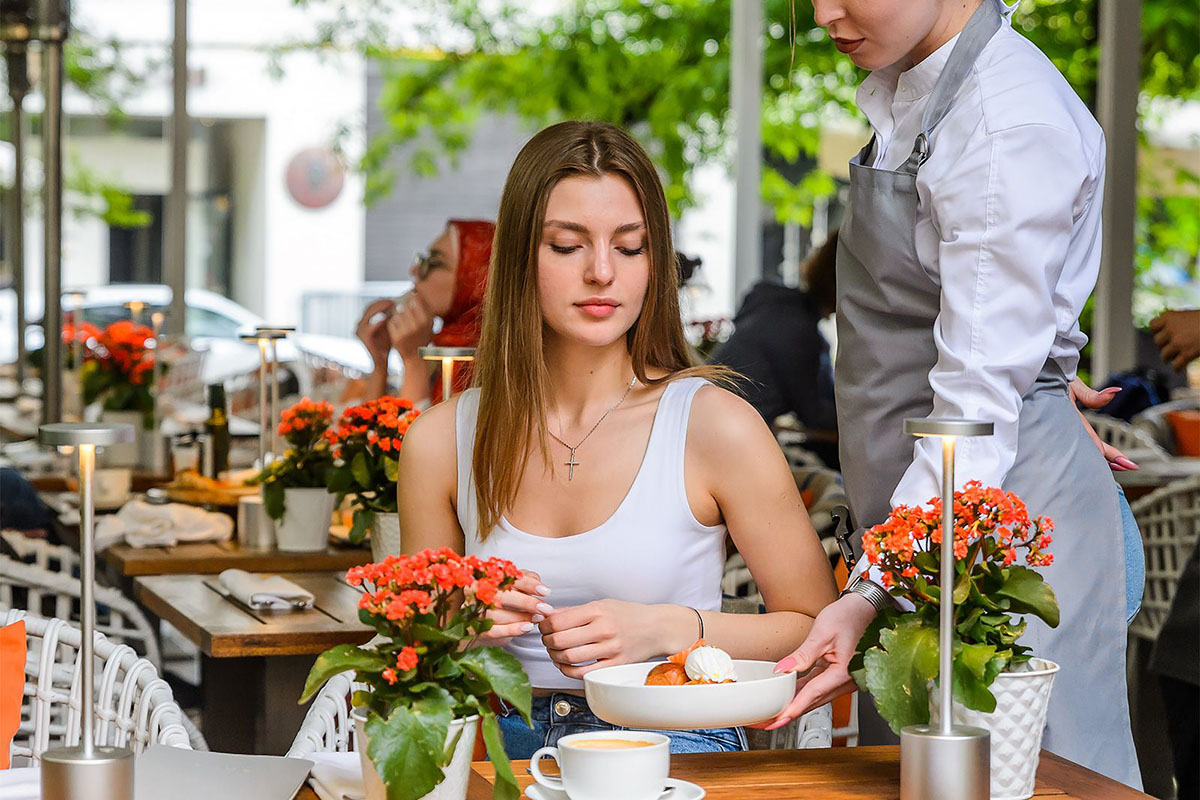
x,y
25,783
265,591
336,776
142,524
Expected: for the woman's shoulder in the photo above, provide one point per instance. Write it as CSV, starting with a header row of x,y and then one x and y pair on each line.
x,y
725,420
432,434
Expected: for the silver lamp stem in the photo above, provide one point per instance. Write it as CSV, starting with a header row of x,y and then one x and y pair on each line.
x,y
946,621
447,378
262,402
87,569
274,400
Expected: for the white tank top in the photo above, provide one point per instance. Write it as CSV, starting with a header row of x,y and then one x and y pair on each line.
x,y
651,550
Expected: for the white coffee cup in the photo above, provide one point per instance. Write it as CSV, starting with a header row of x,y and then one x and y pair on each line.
x,y
111,485
597,772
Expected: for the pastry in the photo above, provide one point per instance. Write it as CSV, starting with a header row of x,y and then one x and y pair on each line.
x,y
698,665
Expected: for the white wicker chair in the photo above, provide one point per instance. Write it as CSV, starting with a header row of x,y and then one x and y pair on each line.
x,y
1169,519
56,595
1154,421
1135,442
134,707
328,728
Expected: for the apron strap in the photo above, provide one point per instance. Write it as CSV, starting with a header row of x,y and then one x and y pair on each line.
x,y
974,37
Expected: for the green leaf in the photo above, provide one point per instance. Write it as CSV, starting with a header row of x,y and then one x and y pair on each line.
x,y
407,747
1029,594
428,633
363,519
362,471
971,678
273,499
897,673
502,672
505,787
335,661
391,468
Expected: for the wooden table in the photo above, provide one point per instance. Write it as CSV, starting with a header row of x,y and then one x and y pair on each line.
x,y
212,558
839,773
253,663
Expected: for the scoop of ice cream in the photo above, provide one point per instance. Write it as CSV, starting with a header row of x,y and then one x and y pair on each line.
x,y
710,664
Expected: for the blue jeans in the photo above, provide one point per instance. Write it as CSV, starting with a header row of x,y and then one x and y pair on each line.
x,y
1135,559
550,724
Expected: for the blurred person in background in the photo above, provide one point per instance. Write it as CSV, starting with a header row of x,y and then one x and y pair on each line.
x,y
777,347
450,281
1177,334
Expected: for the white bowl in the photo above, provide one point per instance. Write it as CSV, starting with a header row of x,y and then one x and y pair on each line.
x,y
619,696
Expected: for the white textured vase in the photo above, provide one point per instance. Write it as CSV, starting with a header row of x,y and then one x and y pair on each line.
x,y
1022,699
385,536
457,772
304,527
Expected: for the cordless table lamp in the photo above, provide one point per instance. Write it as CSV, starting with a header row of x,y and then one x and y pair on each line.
x,y
947,760
276,332
85,771
448,356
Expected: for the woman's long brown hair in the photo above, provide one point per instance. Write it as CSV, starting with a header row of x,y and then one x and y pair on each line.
x,y
510,369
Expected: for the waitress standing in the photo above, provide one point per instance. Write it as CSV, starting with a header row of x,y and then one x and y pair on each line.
x,y
971,242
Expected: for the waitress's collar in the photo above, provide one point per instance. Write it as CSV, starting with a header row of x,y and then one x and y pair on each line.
x,y
893,84
919,80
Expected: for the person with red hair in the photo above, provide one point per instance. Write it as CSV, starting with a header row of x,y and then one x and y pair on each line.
x,y
449,283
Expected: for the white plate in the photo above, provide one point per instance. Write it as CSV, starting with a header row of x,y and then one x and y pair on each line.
x,y
619,696
683,791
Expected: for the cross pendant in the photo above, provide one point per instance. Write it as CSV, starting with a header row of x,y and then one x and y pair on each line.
x,y
571,464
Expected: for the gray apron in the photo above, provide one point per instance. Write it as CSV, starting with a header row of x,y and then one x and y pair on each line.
x,y
886,309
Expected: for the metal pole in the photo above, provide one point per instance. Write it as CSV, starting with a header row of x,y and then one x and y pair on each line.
x,y
1116,105
262,402
274,400
52,229
176,261
447,378
746,103
946,609
16,217
87,569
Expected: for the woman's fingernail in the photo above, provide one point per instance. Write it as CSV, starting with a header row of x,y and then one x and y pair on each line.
x,y
527,627
545,608
1126,463
1110,390
786,665
543,590
536,618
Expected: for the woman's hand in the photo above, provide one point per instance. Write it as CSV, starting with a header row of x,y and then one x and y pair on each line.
x,y
1177,334
374,334
521,608
411,328
609,632
1083,394
822,661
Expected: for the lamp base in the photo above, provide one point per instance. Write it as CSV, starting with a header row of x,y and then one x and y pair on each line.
x,y
106,775
938,766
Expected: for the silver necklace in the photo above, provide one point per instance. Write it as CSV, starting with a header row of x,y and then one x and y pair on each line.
x,y
571,463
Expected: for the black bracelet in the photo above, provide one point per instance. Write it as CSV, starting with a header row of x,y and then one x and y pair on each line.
x,y
701,619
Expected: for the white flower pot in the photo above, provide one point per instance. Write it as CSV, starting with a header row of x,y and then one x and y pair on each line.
x,y
1016,725
138,453
457,772
385,536
304,527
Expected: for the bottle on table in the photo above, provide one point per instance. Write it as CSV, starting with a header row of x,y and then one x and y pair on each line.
x,y
216,430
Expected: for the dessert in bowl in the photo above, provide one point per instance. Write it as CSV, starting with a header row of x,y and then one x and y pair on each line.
x,y
724,692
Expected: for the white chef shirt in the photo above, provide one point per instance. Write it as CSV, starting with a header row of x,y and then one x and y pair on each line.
x,y
1009,211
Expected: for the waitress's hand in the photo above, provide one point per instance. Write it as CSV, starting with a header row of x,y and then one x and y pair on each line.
x,y
1085,395
372,330
822,662
1177,334
606,632
521,608
411,328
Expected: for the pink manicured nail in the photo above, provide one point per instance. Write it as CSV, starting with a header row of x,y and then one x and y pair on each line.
x,y
1110,390
786,665
1126,463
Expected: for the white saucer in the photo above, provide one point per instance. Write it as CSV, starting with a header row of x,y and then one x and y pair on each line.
x,y
684,790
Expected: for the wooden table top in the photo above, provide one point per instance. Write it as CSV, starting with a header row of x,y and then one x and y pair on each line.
x,y
211,558
223,628
839,773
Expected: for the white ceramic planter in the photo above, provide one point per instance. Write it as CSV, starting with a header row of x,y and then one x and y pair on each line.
x,y
385,536
1016,725
136,454
304,527
457,772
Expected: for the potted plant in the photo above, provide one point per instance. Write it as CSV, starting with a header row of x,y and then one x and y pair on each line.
x,y
294,485
118,370
897,658
366,445
428,688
